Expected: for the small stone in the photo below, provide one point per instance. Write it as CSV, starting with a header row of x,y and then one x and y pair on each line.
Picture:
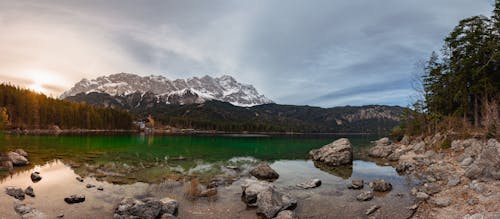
x,y
365,196
309,184
356,184
431,188
372,209
17,193
413,207
381,185
22,208
467,161
471,201
422,196
100,188
29,191
90,186
453,180
79,179
442,202
74,199
35,177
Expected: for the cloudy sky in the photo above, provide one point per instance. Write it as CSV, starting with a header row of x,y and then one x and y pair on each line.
x,y
322,53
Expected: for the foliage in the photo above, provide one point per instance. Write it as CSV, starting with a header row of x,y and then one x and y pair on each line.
x,y
463,82
21,108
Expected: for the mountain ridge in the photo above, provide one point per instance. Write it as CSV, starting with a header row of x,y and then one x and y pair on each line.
x,y
179,91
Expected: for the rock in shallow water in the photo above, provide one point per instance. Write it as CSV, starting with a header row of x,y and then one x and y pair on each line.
x,y
74,199
381,185
35,177
336,153
29,191
372,209
365,196
15,192
148,208
17,159
264,172
266,198
356,184
309,184
287,214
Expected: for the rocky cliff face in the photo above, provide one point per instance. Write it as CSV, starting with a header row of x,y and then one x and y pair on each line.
x,y
129,90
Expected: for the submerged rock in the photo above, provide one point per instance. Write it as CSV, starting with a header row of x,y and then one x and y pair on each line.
x,y
336,153
29,191
22,208
251,188
148,208
17,159
264,172
365,196
35,177
381,185
74,199
15,192
89,186
309,184
356,184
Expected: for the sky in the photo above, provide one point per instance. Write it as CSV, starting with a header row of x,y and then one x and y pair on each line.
x,y
322,53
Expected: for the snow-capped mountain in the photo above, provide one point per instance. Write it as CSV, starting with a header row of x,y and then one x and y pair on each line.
x,y
133,90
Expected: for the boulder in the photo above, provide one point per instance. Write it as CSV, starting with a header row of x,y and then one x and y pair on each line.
x,y
382,148
251,188
356,184
266,198
35,177
74,199
29,191
309,184
270,202
21,152
381,185
16,159
405,140
264,172
286,214
336,153
487,164
148,208
15,192
365,196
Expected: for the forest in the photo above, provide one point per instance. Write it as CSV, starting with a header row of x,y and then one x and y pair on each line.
x,y
25,109
460,85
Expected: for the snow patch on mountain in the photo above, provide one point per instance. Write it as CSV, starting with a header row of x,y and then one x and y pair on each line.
x,y
184,91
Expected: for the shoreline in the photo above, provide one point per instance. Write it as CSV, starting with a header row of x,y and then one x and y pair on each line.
x,y
171,132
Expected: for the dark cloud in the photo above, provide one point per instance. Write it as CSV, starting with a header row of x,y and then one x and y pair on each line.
x,y
322,52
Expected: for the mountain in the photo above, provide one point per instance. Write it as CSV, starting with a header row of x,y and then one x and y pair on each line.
x,y
216,115
128,91
215,104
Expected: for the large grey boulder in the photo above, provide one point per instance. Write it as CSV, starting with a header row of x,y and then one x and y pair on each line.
x,y
148,208
264,172
487,164
336,153
266,198
17,159
382,148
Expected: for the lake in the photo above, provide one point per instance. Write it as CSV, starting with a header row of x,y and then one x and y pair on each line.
x,y
141,165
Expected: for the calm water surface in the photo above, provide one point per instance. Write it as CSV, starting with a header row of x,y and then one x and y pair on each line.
x,y
139,166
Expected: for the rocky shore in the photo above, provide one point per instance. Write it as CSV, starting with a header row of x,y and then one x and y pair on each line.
x,y
459,178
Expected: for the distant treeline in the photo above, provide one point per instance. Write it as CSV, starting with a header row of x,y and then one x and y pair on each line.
x,y
25,109
461,85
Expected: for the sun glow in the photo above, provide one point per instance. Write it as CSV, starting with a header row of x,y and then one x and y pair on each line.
x,y
37,88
